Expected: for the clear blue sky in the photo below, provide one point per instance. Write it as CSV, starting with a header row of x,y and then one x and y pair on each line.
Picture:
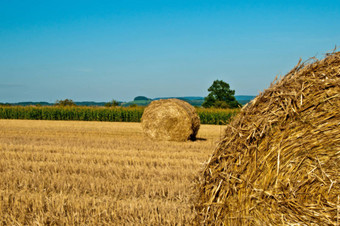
x,y
104,50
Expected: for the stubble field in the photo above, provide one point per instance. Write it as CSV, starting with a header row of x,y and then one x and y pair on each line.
x,y
96,173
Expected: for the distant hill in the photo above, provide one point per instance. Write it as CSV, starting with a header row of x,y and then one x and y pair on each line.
x,y
42,103
181,98
141,98
193,100
28,103
90,103
140,101
137,102
244,99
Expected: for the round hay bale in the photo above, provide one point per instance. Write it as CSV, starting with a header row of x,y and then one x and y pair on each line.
x,y
279,163
170,119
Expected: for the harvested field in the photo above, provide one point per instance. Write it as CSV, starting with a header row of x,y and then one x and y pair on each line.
x,y
96,173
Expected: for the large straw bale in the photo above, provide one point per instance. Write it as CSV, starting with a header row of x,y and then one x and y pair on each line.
x,y
279,161
170,119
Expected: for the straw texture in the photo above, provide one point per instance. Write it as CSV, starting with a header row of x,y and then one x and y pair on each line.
x,y
171,119
279,162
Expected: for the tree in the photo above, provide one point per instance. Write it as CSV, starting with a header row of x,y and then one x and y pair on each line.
x,y
220,96
66,102
113,103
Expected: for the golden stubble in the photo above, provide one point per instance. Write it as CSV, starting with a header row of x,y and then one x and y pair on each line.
x,y
96,173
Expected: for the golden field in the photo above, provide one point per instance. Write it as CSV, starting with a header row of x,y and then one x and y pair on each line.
x,y
97,173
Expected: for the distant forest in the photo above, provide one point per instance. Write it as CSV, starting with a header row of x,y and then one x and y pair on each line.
x,y
139,101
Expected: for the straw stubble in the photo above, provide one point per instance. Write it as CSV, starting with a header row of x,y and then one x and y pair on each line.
x,y
279,161
170,120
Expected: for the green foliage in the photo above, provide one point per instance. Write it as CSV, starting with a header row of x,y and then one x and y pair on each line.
x,y
6,104
117,114
113,103
66,102
195,103
216,116
73,113
220,96
137,102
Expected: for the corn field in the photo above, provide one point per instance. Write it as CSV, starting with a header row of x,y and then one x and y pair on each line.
x,y
113,114
216,116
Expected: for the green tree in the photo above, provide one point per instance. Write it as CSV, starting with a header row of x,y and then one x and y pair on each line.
x,y
113,103
220,96
66,102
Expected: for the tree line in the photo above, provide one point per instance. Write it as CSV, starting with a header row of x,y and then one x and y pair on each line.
x,y
220,96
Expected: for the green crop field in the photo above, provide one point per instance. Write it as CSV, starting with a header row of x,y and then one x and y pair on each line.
x,y
112,114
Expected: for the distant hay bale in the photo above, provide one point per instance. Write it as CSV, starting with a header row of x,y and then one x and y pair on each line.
x,y
170,119
279,163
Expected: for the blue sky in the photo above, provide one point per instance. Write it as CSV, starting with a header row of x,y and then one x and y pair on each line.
x,y
104,50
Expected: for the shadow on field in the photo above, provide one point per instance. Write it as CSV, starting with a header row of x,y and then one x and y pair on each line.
x,y
199,139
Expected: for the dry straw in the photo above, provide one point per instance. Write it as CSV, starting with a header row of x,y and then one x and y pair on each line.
x,y
171,119
279,161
